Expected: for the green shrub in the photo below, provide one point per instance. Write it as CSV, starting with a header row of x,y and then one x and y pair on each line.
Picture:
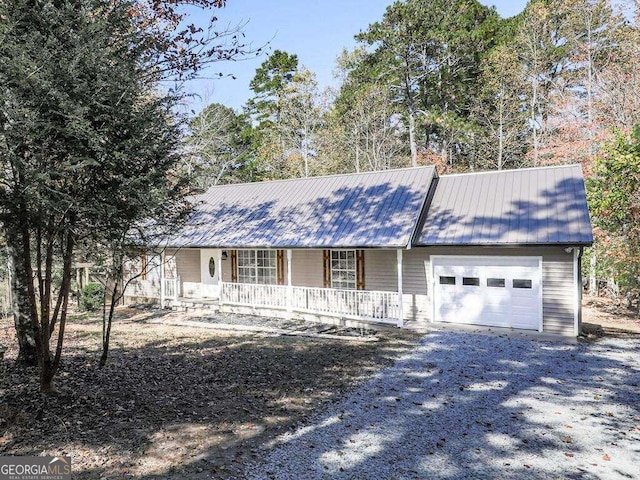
x,y
91,297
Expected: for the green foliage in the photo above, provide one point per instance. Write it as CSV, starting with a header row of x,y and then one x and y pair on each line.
x,y
92,297
268,85
614,199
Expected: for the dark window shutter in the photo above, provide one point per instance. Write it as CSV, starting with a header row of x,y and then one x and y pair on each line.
x,y
326,262
360,269
234,266
280,267
144,266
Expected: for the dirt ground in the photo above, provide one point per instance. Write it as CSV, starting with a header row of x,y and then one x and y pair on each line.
x,y
604,317
182,402
174,401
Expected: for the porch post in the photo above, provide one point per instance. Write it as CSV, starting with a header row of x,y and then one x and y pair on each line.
x,y
289,282
219,275
163,294
400,321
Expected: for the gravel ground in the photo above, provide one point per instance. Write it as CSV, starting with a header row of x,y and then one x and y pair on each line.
x,y
280,323
464,406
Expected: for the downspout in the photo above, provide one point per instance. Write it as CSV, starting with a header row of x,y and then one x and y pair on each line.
x,y
579,295
577,255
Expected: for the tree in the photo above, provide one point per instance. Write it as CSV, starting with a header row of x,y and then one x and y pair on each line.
x,y
88,142
498,110
301,115
428,53
264,110
218,148
614,199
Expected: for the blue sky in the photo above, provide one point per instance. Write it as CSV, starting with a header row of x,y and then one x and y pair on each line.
x,y
315,30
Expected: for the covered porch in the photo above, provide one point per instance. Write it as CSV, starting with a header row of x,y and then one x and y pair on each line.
x,y
282,283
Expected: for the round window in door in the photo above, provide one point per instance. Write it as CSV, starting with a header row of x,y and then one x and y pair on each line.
x,y
212,267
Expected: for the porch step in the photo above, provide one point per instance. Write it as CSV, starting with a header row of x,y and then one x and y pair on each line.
x,y
195,305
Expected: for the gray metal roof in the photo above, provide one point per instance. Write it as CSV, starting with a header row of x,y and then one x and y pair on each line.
x,y
374,209
527,206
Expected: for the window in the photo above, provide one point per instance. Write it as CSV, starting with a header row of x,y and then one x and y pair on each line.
x,y
212,267
471,281
520,283
495,282
257,266
343,269
447,280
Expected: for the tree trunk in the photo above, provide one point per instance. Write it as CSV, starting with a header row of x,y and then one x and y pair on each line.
x,y
49,366
593,280
412,139
20,306
107,322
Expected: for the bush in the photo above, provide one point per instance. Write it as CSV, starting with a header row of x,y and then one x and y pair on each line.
x,y
91,297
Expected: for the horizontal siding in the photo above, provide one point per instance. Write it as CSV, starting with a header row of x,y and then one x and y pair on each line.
x,y
307,268
187,263
380,270
416,299
558,293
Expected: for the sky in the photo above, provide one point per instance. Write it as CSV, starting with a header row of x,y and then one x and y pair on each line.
x,y
315,30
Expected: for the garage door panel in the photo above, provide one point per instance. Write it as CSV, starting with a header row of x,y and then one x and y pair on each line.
x,y
493,291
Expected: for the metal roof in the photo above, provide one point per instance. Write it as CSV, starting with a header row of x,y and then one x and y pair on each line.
x,y
529,206
373,209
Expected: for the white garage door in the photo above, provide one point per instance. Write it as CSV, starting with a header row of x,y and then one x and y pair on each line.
x,y
493,291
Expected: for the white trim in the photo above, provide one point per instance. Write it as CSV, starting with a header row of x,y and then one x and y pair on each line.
x,y
400,302
162,286
220,276
576,293
541,321
355,266
289,281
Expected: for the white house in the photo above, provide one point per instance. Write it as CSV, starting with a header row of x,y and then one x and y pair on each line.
x,y
406,246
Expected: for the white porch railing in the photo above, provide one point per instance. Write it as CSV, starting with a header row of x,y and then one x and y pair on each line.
x,y
360,304
200,290
356,304
171,288
254,295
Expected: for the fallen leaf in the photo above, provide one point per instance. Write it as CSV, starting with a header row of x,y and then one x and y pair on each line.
x,y
606,457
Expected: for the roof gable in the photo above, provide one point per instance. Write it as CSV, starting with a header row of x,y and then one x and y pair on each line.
x,y
373,209
527,206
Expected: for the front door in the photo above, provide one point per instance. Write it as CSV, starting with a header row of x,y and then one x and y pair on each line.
x,y
210,273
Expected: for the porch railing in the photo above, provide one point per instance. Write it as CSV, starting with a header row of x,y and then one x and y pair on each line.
x,y
171,288
200,290
361,304
357,304
274,296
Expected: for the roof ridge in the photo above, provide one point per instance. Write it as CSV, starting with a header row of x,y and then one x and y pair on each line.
x,y
332,175
545,167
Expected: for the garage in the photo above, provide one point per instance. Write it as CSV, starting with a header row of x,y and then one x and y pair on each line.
x,y
491,291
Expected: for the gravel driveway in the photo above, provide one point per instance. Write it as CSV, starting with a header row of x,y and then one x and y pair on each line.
x,y
475,406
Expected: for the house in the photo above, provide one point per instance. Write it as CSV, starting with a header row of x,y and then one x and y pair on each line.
x,y
407,246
